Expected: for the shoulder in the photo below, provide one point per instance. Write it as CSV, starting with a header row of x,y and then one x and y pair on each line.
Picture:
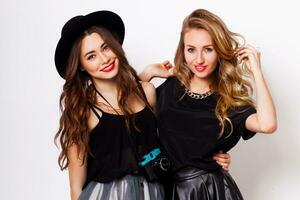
x,y
170,81
94,117
170,84
148,87
150,92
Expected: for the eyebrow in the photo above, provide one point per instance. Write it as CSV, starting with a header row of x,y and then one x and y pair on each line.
x,y
205,46
102,45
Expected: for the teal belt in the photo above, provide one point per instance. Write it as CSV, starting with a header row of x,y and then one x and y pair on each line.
x,y
149,157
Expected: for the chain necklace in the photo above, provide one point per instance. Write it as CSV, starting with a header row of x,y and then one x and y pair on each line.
x,y
198,96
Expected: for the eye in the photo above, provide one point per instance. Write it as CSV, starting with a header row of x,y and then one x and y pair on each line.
x,y
90,57
106,48
208,49
190,50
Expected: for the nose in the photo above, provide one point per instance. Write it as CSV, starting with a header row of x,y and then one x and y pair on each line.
x,y
199,58
104,58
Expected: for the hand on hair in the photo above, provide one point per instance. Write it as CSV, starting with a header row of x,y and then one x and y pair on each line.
x,y
250,56
223,159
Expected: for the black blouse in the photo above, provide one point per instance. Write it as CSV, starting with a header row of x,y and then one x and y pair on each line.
x,y
115,149
189,130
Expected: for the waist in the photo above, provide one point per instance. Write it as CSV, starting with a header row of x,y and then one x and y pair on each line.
x,y
188,173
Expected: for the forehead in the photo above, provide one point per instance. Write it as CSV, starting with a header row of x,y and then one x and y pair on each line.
x,y
91,42
197,37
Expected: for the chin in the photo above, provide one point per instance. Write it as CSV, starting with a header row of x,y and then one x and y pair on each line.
x,y
201,76
112,75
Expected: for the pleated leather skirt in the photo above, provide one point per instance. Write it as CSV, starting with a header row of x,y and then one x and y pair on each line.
x,y
130,187
196,184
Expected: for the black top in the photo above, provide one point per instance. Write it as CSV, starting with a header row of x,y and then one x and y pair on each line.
x,y
189,129
115,149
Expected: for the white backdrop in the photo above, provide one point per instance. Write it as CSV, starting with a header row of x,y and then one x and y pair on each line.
x,y
266,167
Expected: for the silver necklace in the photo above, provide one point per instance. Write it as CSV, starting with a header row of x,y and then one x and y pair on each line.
x,y
198,96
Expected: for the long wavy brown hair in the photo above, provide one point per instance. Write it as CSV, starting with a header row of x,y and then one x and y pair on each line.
x,y
79,94
230,80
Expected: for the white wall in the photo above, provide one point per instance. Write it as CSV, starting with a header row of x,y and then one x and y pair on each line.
x,y
266,167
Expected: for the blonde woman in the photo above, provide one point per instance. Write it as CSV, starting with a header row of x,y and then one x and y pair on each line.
x,y
207,106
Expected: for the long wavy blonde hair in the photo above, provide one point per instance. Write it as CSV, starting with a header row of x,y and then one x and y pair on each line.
x,y
230,80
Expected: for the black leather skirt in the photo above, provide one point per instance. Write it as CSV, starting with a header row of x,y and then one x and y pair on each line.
x,y
195,184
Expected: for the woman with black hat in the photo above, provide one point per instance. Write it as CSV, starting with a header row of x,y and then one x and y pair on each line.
x,y
107,117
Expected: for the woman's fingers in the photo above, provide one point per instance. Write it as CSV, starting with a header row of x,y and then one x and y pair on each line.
x,y
224,165
247,49
167,64
223,159
169,67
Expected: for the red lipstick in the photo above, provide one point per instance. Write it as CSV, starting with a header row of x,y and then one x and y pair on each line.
x,y
108,68
200,68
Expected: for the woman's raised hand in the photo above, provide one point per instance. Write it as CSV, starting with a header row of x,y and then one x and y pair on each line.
x,y
161,70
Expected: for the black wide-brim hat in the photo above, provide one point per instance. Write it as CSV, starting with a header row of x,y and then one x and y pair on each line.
x,y
77,25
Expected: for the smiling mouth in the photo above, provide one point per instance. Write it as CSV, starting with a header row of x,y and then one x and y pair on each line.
x,y
108,68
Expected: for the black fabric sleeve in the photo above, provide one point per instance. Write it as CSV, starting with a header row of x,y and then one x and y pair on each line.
x,y
241,116
162,86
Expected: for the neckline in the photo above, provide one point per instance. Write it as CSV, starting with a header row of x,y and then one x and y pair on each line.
x,y
198,96
183,92
117,115
114,115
